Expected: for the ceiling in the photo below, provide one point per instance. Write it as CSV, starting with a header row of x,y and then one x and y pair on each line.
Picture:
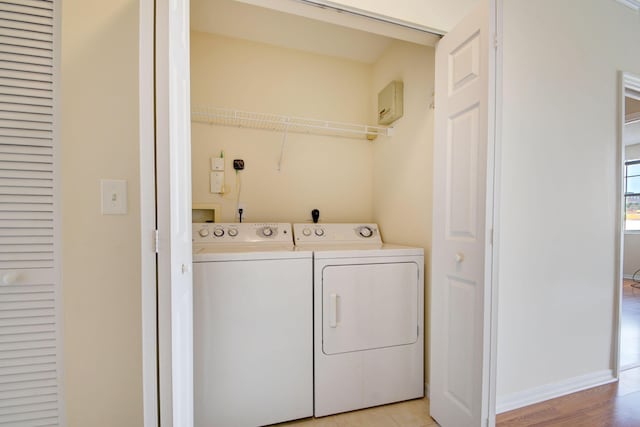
x,y
248,22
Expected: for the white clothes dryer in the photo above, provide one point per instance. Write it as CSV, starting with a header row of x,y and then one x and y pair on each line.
x,y
368,317
253,355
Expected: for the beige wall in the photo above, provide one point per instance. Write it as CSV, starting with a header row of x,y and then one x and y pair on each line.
x,y
556,295
402,165
101,254
331,174
558,218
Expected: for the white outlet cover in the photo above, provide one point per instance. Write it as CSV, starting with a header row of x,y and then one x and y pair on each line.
x,y
216,182
114,196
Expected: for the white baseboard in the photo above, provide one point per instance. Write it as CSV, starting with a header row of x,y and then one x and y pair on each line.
x,y
551,391
630,366
628,276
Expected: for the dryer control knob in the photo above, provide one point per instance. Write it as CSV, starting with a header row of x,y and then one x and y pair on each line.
x,y
366,232
218,232
267,232
319,232
204,232
306,232
233,232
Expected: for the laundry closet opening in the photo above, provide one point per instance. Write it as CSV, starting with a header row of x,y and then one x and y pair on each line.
x,y
251,59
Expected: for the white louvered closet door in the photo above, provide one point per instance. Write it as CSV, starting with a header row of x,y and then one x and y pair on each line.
x,y
30,329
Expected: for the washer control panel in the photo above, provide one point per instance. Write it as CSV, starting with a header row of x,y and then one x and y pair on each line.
x,y
245,232
336,233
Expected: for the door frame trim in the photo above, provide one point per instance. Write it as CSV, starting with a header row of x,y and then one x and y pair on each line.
x,y
496,9
148,194
494,48
148,261
626,80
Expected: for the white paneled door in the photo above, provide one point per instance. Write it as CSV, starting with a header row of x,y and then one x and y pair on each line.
x,y
30,311
461,253
173,166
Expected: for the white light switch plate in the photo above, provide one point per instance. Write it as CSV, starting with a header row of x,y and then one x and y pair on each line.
x,y
114,196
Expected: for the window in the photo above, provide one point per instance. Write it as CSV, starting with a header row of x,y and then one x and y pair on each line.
x,y
632,195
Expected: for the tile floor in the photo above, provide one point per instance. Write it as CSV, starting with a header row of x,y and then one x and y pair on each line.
x,y
413,413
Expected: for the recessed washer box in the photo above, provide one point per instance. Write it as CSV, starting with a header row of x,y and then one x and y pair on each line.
x,y
204,212
390,103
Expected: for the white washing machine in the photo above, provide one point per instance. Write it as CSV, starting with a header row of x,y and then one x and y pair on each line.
x,y
253,355
368,317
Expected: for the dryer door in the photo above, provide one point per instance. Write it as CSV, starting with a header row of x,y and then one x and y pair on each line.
x,y
369,306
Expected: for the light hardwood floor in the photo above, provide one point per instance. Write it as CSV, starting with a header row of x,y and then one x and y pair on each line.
x,y
615,405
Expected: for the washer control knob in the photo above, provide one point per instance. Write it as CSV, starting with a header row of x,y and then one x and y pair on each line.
x,y
218,232
233,232
306,232
267,232
366,231
319,232
204,232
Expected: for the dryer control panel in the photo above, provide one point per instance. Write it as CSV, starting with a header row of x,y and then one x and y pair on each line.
x,y
337,233
245,232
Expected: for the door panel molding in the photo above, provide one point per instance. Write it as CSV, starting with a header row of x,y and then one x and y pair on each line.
x,y
463,303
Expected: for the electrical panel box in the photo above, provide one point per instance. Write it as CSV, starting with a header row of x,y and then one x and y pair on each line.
x,y
390,103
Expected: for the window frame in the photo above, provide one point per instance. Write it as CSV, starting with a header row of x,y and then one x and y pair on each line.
x,y
627,194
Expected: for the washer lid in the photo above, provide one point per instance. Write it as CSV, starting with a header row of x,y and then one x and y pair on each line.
x,y
209,253
205,248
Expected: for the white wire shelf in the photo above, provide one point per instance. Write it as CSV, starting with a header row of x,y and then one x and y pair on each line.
x,y
273,122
